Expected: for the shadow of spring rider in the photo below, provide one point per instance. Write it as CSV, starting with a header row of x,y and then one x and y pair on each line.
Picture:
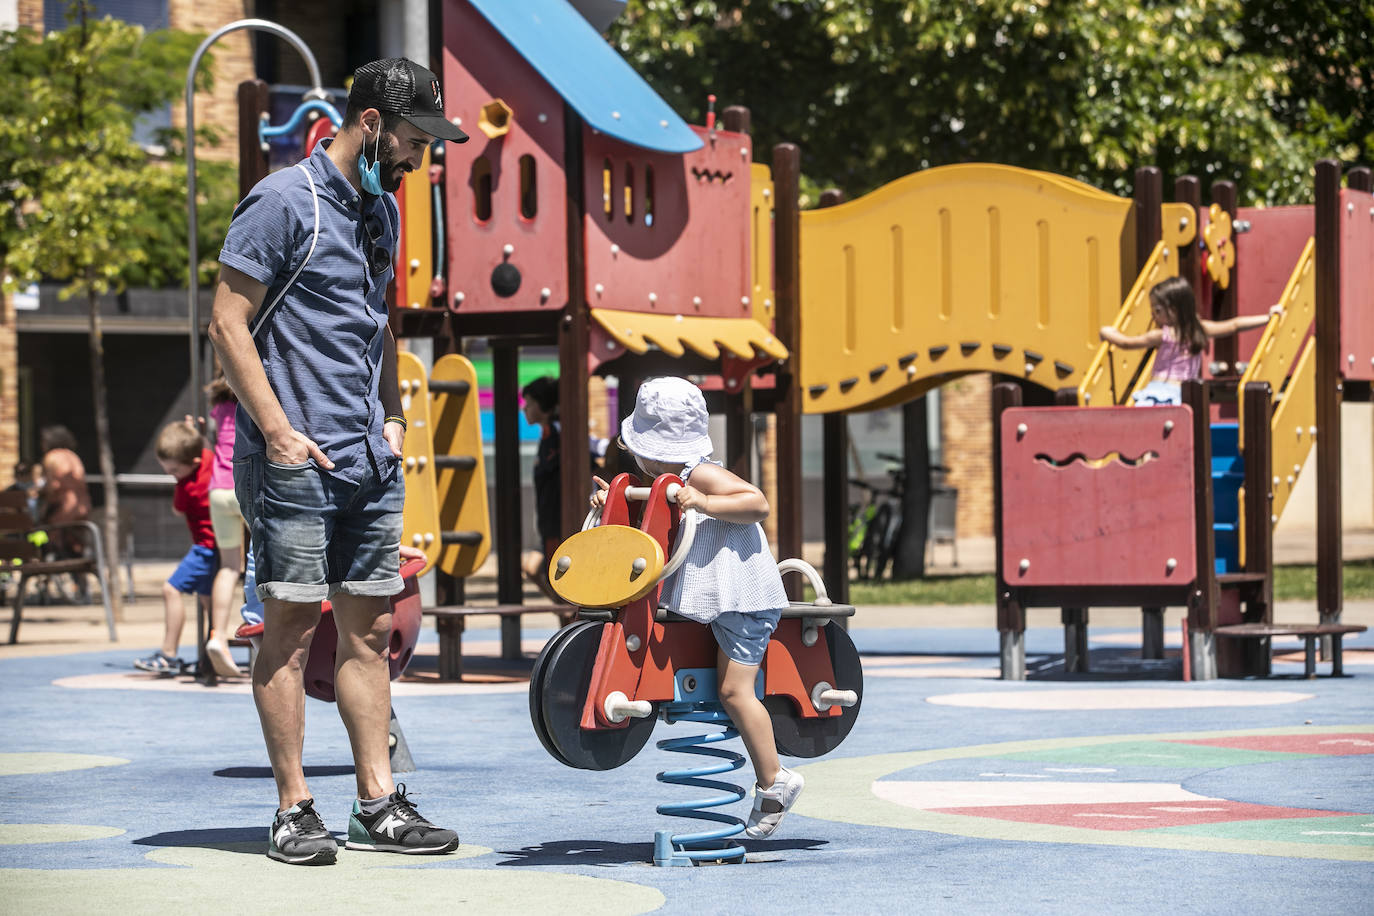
x,y
600,682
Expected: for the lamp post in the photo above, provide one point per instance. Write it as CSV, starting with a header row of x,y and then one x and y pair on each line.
x,y
193,280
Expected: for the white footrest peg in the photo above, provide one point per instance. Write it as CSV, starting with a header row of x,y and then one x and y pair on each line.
x,y
619,707
824,696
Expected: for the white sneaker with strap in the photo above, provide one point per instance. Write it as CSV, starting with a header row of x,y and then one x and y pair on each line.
x,y
772,803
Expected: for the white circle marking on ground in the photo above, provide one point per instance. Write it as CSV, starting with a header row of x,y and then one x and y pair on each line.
x,y
1117,698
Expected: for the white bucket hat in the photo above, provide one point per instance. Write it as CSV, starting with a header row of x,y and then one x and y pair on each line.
x,y
669,423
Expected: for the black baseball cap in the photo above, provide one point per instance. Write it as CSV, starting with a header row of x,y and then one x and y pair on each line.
x,y
402,87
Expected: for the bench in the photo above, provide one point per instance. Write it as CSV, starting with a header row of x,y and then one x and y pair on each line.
x,y
450,621
1310,632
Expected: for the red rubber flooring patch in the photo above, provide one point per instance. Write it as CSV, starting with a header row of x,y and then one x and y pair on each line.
x,y
1334,744
1137,815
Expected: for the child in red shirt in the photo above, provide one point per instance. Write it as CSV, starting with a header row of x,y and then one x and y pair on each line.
x,y
182,453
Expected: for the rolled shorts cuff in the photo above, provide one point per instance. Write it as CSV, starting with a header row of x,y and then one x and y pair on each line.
x,y
293,592
743,637
371,588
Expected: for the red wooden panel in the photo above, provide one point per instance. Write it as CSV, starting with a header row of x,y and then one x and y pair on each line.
x,y
479,66
1265,258
1357,284
697,245
1116,523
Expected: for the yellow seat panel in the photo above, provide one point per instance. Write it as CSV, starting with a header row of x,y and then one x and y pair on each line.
x,y
598,567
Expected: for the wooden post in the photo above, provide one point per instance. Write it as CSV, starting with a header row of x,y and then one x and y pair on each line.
x,y
835,502
1188,190
739,405
1205,596
508,515
787,290
1329,389
1226,350
252,97
574,342
835,481
1149,196
1259,523
1360,178
1011,616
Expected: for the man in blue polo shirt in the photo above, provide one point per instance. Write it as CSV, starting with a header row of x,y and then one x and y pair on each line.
x,y
300,326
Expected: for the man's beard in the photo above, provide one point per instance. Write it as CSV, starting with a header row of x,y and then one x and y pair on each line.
x,y
392,169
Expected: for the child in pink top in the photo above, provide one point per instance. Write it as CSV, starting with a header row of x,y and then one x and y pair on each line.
x,y
1181,337
228,524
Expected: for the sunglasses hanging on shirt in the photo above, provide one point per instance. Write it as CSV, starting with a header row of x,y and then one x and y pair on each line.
x,y
378,256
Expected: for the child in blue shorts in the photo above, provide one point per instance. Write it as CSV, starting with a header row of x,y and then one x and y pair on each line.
x,y
182,453
728,580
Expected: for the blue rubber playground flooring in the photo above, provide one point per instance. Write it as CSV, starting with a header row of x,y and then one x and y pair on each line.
x,y
1125,791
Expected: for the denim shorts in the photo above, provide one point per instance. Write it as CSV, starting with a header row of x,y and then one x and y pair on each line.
x,y
1158,393
744,637
314,535
195,574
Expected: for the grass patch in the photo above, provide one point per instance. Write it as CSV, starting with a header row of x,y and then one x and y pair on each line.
x,y
1291,583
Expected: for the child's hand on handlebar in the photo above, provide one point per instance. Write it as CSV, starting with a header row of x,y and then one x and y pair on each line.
x,y
599,496
689,497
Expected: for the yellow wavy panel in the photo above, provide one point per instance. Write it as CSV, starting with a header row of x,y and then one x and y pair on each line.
x,y
962,268
638,331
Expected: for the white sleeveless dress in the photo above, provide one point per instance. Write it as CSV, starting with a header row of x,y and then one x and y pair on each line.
x,y
728,568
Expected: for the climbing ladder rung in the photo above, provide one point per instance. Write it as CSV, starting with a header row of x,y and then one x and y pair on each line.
x,y
449,387
457,462
467,538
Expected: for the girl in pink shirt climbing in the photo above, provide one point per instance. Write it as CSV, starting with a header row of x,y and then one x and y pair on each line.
x,y
1181,337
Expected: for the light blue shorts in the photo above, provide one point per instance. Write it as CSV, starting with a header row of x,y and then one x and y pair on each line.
x,y
744,637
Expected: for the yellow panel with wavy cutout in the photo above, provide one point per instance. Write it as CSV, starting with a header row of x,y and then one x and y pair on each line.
x,y
961,268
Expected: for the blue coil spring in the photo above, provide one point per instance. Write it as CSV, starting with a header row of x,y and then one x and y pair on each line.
x,y
706,845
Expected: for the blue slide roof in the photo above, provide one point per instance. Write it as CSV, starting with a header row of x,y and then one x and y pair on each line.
x,y
588,73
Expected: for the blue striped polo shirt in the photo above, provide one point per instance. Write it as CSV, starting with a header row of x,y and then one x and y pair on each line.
x,y
322,346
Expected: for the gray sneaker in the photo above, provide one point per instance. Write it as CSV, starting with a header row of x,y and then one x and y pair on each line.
x,y
298,837
772,803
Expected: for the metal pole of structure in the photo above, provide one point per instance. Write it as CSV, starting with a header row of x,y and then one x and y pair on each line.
x,y
193,258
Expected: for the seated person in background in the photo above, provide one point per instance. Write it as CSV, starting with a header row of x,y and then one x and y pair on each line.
x,y
65,499
182,453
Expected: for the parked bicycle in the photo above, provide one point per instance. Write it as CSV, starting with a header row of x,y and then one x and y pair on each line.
x,y
875,523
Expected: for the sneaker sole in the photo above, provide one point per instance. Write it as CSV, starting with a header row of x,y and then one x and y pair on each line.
x,y
404,850
322,857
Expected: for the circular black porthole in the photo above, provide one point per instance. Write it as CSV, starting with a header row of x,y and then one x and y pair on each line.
x,y
505,280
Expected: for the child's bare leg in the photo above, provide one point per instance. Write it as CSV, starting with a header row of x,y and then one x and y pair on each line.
x,y
536,569
222,591
173,619
749,715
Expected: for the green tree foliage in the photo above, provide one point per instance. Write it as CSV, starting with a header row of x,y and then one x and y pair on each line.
x,y
1085,88
81,202
1326,49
